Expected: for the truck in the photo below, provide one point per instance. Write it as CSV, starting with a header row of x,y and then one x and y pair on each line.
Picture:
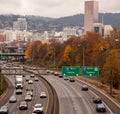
x,y
19,82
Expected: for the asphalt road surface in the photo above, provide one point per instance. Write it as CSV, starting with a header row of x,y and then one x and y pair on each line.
x,y
37,87
72,99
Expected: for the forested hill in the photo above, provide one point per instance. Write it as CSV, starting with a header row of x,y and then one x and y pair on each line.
x,y
43,23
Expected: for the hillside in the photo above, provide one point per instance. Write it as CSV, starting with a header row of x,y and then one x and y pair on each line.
x,y
40,24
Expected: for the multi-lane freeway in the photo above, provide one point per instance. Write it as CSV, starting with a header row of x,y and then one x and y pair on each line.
x,y
37,88
72,99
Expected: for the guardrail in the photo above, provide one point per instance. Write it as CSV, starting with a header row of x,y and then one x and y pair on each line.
x,y
54,102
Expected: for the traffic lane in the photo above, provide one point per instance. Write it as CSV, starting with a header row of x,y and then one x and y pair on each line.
x,y
71,101
109,101
14,107
89,95
37,88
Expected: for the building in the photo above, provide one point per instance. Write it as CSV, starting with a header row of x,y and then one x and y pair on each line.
x,y
98,28
91,15
107,30
20,24
69,31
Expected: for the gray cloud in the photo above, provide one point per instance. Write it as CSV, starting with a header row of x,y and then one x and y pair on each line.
x,y
53,8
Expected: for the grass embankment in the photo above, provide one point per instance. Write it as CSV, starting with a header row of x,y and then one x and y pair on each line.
x,y
3,84
104,87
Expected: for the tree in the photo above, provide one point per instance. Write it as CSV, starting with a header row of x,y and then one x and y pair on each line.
x,y
28,52
113,63
67,55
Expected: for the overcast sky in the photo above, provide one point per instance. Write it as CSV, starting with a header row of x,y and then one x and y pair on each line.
x,y
54,8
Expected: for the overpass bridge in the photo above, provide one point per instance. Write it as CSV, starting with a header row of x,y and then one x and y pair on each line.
x,y
18,57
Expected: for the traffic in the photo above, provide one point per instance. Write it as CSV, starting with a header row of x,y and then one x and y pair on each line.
x,y
31,95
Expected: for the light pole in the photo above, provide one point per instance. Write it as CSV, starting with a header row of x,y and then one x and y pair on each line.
x,y
83,54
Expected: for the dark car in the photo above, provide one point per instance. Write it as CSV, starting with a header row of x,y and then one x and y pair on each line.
x,y
66,78
100,107
97,99
60,76
23,105
84,88
4,110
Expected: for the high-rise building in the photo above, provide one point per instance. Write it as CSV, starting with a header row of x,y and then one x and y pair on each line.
x,y
91,15
20,24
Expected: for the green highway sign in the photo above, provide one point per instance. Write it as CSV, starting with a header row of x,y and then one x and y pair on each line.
x,y
70,71
90,71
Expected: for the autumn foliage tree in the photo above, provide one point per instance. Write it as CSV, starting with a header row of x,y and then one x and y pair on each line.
x,y
28,52
67,55
113,63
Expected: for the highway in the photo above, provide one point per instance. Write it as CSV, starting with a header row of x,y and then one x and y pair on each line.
x,y
72,99
37,87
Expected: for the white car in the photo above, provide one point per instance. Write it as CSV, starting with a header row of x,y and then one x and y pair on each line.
x,y
4,110
43,95
29,92
100,107
12,99
30,82
28,98
38,108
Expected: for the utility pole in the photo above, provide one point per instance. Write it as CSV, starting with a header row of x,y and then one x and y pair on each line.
x,y
111,82
83,56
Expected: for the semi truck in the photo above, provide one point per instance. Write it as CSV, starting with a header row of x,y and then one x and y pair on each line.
x,y
19,82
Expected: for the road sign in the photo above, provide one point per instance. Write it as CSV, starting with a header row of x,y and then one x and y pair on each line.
x,y
70,71
90,71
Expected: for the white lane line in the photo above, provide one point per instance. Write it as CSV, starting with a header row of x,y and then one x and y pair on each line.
x,y
103,102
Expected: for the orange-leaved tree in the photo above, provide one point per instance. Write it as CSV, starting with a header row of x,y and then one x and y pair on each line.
x,y
67,55
28,52
113,63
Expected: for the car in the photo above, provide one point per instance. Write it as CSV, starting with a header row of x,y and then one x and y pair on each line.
x,y
66,78
60,76
72,79
97,99
18,91
23,105
47,71
30,82
12,99
27,77
51,72
100,107
29,92
38,108
56,73
28,98
84,88
4,110
36,79
32,75
43,95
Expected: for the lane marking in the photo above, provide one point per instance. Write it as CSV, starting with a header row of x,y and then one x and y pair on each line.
x,y
96,94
